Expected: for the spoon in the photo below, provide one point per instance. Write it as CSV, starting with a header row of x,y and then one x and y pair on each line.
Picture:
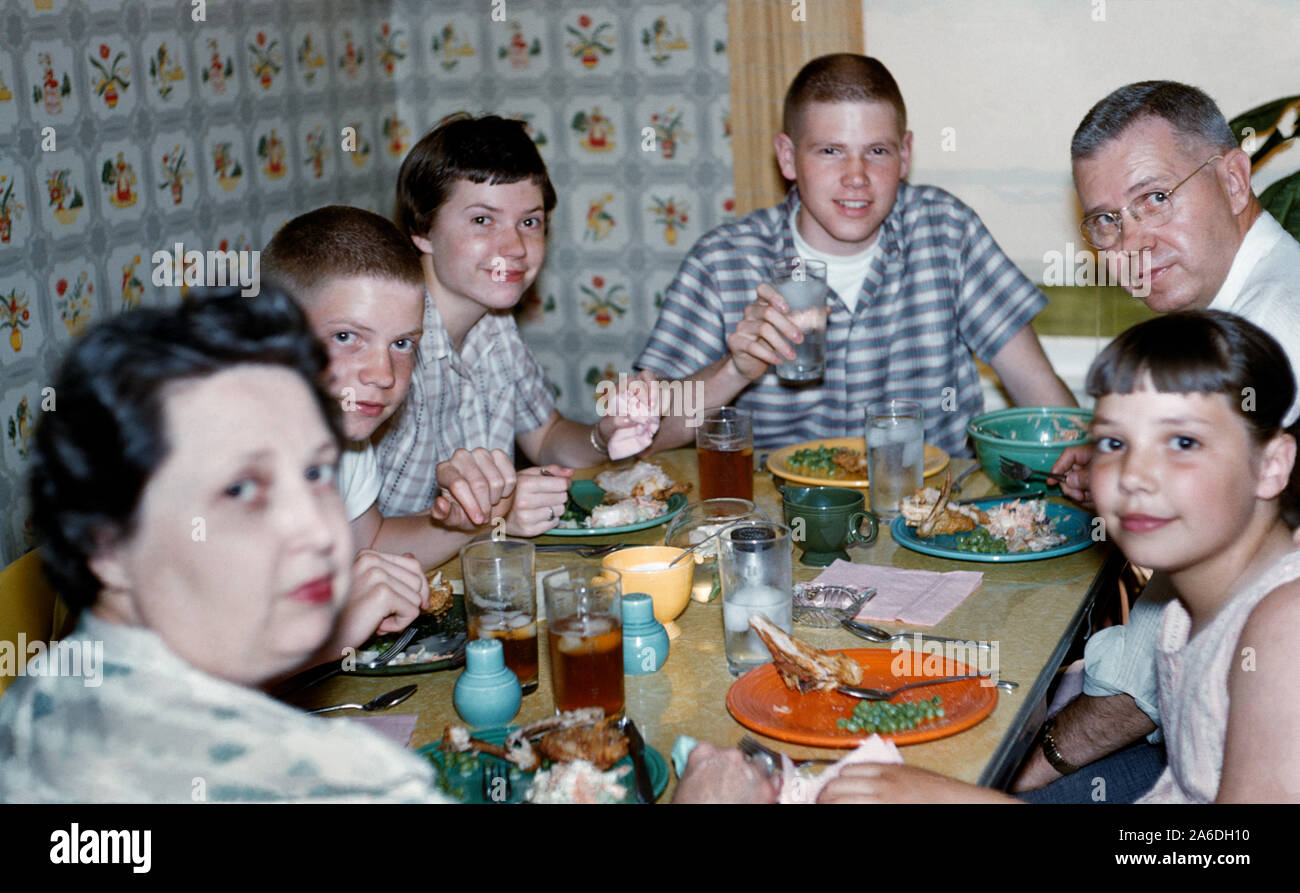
x,y
693,548
876,634
382,702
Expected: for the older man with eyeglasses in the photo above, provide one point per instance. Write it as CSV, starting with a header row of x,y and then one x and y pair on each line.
x,y
1167,199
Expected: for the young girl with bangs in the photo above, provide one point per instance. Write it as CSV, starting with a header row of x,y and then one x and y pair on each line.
x,y
1194,476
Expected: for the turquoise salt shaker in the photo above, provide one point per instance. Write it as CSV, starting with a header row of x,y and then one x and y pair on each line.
x,y
645,641
487,694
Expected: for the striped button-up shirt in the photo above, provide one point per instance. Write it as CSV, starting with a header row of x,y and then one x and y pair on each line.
x,y
940,290
482,396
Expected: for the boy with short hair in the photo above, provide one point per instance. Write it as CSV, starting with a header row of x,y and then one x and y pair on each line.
x,y
917,283
473,196
360,285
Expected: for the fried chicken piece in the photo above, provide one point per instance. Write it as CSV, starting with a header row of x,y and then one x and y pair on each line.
x,y
949,521
602,744
802,667
926,527
679,487
931,512
440,595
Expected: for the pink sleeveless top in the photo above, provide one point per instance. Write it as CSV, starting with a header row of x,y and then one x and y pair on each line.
x,y
1193,684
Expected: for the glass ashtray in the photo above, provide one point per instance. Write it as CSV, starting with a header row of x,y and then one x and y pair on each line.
x,y
826,606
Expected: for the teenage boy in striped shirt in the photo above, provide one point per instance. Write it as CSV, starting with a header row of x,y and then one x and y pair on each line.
x,y
918,283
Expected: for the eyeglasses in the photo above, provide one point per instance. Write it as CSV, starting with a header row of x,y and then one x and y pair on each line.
x,y
1103,230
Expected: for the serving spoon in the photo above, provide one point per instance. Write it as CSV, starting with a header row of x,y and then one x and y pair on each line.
x,y
381,702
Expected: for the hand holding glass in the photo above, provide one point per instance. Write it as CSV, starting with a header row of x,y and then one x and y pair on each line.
x,y
802,283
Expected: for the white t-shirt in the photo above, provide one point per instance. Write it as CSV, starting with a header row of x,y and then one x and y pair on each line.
x,y
843,274
359,478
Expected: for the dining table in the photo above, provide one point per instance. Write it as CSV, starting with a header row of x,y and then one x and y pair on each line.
x,y
1034,610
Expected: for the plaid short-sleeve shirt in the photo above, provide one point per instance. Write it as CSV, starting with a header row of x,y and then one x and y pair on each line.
x,y
485,395
940,290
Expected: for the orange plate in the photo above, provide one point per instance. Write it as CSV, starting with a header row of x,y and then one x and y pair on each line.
x,y
760,701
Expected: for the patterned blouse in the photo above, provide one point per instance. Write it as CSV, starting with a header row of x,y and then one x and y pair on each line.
x,y
138,724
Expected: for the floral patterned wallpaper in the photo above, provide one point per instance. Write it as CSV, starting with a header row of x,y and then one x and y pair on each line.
x,y
135,133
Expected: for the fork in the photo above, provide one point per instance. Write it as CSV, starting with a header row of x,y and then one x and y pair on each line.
x,y
880,694
583,551
771,759
961,479
1018,471
394,649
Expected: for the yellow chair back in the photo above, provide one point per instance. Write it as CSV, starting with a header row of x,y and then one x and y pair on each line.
x,y
29,606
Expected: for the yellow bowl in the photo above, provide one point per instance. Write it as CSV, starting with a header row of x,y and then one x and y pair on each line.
x,y
669,588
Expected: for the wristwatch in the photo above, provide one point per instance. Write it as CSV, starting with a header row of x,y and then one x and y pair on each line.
x,y
595,442
1048,744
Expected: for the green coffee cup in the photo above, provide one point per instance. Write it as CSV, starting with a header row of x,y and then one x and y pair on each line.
x,y
824,520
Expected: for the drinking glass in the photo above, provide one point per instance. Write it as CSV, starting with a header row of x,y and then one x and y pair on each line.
x,y
895,436
724,444
585,636
700,522
802,282
756,567
501,601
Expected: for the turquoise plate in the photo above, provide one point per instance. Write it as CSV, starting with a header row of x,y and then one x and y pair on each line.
x,y
468,787
588,492
1074,523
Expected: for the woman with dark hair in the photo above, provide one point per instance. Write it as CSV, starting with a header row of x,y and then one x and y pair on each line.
x,y
184,491
1194,476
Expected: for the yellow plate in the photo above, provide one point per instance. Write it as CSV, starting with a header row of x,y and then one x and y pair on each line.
x,y
936,460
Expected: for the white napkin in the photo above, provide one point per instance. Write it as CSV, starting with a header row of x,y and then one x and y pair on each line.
x,y
795,788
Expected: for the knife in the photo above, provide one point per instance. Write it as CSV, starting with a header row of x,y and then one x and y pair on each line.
x,y
1034,493
645,792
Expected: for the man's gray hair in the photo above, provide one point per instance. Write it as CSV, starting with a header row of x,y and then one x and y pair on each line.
x,y
1188,110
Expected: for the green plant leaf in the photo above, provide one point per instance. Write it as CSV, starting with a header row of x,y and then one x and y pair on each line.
x,y
1263,118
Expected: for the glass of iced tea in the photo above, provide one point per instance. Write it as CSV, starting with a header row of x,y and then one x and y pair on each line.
x,y
584,629
724,443
501,601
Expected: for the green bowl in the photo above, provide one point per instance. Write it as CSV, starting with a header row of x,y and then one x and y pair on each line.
x,y
1034,435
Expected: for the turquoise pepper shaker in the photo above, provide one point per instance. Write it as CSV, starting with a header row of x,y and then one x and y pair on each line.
x,y
487,693
645,641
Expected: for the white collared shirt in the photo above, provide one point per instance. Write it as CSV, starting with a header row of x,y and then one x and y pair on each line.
x,y
1263,285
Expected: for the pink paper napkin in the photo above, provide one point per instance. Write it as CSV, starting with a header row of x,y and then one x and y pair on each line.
x,y
397,726
920,598
797,789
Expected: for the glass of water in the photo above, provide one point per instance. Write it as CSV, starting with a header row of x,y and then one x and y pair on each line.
x,y
757,574
802,282
895,435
